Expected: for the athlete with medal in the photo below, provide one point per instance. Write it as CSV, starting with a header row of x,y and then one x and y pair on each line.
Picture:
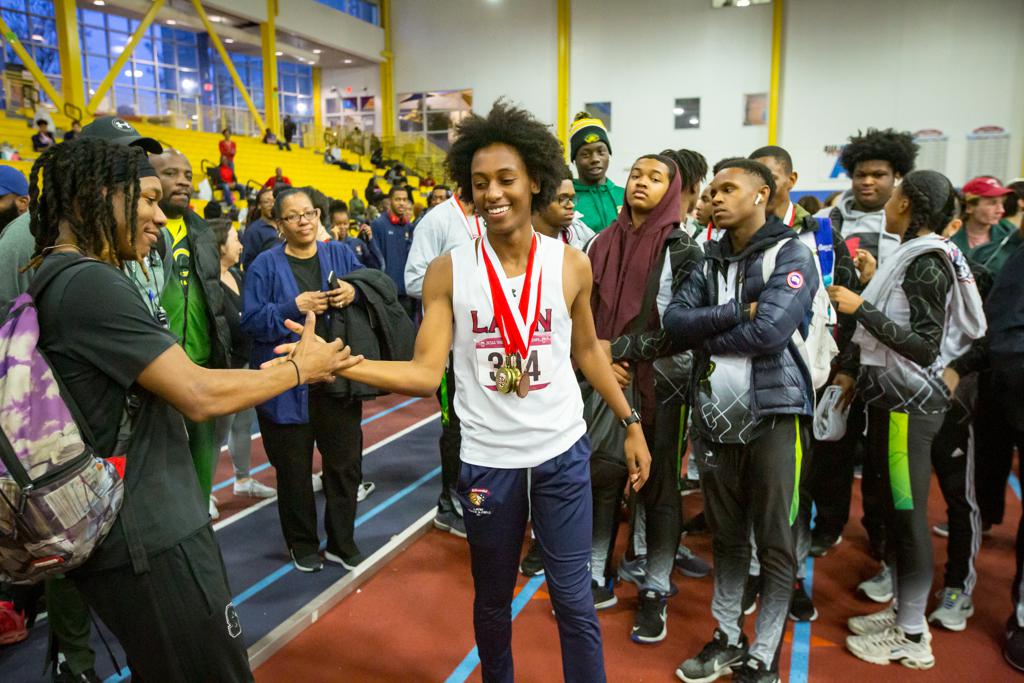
x,y
525,455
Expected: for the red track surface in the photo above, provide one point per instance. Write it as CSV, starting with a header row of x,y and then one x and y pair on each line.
x,y
413,621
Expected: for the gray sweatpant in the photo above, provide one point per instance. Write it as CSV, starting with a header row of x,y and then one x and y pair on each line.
x,y
236,429
753,486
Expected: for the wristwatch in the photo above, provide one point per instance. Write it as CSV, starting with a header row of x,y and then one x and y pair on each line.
x,y
633,418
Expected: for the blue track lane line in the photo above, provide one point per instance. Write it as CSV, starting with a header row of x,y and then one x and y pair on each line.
x,y
472,660
800,652
259,468
1015,485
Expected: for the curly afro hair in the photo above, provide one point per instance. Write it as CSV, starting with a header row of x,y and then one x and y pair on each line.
x,y
506,124
898,148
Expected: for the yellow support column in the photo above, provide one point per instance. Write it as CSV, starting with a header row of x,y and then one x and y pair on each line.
x,y
72,81
564,31
778,7
318,111
268,38
387,76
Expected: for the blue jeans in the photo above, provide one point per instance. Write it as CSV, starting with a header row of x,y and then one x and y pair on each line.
x,y
496,503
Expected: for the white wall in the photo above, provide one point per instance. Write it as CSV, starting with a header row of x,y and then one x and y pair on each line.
x,y
505,48
642,56
912,64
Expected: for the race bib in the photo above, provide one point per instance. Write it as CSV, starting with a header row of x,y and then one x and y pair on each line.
x,y
490,355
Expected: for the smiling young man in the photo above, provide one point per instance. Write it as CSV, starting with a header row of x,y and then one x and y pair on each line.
x,y
514,307
754,387
599,200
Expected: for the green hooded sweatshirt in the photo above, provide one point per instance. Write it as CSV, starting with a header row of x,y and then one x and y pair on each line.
x,y
1003,240
598,205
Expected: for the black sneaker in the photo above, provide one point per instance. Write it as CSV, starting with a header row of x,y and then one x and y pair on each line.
x,y
307,563
689,486
751,590
64,675
801,608
603,596
1013,650
650,626
696,525
715,660
349,562
689,564
753,670
532,564
822,543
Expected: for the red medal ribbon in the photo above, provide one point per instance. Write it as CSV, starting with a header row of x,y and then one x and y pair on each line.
x,y
790,217
465,218
503,316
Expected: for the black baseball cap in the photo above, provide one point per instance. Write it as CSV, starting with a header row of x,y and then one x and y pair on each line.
x,y
119,131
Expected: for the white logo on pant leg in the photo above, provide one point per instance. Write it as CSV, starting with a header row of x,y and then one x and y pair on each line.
x,y
231,617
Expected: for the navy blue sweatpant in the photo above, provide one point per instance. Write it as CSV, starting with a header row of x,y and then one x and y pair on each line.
x,y
496,508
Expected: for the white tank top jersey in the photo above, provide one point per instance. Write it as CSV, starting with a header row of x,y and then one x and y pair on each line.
x,y
503,430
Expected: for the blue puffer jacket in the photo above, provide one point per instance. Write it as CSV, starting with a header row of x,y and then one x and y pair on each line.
x,y
781,383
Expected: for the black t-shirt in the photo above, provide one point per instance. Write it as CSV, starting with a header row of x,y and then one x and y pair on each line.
x,y
99,337
233,314
308,277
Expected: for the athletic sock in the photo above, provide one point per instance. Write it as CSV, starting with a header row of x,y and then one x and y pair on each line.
x,y
914,637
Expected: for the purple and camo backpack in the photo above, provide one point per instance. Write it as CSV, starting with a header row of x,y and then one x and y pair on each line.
x,y
58,498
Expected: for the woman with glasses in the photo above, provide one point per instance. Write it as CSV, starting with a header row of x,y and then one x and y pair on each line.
x,y
285,283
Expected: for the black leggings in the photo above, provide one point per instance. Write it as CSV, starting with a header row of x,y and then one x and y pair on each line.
x,y
900,447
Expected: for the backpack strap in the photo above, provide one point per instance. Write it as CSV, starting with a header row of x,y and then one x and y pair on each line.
x,y
650,294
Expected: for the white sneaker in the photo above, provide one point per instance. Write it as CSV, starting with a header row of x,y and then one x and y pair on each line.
x,y
364,491
251,488
872,623
214,512
318,482
892,645
879,587
954,609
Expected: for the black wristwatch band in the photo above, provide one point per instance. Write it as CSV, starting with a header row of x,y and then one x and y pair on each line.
x,y
633,418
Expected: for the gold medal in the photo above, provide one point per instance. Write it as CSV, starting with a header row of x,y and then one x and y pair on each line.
x,y
508,376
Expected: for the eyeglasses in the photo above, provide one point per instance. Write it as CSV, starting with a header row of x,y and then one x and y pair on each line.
x,y
294,218
566,200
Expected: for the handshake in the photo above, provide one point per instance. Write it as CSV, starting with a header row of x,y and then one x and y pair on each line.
x,y
315,360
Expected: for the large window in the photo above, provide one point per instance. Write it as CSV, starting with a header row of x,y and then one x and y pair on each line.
x,y
230,106
434,114
350,111
360,9
161,78
32,21
295,88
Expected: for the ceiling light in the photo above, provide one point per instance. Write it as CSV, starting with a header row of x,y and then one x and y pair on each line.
x,y
694,120
36,37
317,51
678,111
278,53
98,3
229,40
348,61
171,22
216,19
743,3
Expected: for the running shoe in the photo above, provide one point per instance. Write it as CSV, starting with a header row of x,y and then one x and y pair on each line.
x,y
214,512
716,659
689,486
250,488
12,624
879,587
955,608
872,623
697,524
893,645
532,564
64,675
603,596
449,520
822,543
801,607
689,564
307,563
349,562
633,571
1013,648
753,670
751,590
650,624
318,482
364,490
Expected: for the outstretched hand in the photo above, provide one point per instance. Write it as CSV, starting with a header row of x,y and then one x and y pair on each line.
x,y
317,360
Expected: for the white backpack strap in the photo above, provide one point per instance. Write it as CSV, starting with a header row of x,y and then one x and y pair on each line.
x,y
771,257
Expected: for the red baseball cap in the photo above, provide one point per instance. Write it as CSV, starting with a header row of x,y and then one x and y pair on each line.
x,y
985,187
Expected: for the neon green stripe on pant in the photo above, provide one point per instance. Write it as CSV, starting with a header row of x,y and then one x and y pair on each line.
x,y
798,454
445,418
899,464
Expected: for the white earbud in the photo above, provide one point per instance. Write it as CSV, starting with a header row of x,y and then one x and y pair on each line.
x,y
757,200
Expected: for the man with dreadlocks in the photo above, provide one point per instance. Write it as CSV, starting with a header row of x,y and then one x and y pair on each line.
x,y
192,296
157,580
